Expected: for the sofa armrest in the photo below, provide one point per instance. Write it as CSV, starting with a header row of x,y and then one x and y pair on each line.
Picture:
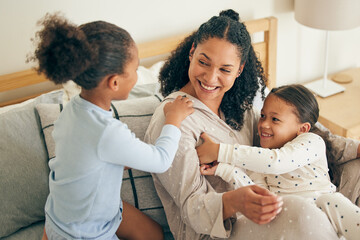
x,y
350,180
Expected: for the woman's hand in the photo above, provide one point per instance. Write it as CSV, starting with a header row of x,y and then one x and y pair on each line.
x,y
208,151
209,169
256,203
176,111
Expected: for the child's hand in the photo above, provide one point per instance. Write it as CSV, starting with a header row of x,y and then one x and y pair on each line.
x,y
209,169
208,151
176,111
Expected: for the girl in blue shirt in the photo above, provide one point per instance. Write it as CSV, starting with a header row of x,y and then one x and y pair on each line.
x,y
92,148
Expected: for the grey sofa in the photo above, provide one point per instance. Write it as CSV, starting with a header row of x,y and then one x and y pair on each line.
x,y
26,146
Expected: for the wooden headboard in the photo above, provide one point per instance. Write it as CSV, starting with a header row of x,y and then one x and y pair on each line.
x,y
265,50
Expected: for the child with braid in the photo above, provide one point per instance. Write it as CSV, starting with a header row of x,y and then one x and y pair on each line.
x,y
291,160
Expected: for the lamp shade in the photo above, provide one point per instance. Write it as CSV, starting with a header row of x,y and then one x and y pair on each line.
x,y
328,14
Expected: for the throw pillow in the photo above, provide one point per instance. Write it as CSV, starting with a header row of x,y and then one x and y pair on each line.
x,y
23,170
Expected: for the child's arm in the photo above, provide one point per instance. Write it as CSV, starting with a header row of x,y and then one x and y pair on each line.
x,y
229,173
118,145
304,149
208,151
176,111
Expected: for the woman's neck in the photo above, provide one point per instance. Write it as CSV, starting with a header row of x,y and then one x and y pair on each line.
x,y
213,104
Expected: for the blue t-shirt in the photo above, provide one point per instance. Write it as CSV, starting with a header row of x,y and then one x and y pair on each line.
x,y
92,149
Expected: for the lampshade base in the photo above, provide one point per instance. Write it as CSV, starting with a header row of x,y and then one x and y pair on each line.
x,y
324,90
342,78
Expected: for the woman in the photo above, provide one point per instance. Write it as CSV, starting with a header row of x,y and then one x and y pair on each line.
x,y
217,68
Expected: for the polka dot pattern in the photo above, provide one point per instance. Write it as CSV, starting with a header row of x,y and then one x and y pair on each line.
x,y
298,166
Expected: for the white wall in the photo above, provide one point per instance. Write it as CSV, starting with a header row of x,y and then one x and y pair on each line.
x,y
300,49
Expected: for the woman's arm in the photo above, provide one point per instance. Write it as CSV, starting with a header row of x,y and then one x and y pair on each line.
x,y
256,203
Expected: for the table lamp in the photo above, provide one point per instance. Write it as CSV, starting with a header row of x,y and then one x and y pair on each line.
x,y
328,15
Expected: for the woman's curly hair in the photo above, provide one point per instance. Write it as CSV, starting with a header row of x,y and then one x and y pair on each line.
x,y
174,73
85,54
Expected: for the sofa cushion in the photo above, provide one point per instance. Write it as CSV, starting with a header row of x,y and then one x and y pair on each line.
x,y
34,231
137,188
23,169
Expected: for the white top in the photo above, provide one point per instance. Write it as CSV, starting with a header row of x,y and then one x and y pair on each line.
x,y
300,166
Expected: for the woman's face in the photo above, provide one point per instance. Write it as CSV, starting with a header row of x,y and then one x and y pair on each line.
x,y
214,66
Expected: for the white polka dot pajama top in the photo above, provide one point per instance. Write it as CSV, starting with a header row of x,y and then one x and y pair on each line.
x,y
299,167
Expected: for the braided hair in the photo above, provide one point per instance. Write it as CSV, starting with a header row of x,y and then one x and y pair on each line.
x,y
174,74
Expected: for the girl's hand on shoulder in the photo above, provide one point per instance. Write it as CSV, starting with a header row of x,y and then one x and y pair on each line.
x,y
176,111
209,169
208,151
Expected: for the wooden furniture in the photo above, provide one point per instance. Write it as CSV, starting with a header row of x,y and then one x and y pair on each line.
x,y
341,112
265,49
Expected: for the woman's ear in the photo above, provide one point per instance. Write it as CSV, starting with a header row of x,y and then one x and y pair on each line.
x,y
191,53
304,128
240,69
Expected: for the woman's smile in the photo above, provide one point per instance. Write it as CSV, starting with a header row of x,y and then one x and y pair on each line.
x,y
207,87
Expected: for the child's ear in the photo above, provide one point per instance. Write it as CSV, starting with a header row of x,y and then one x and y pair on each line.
x,y
304,128
113,82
